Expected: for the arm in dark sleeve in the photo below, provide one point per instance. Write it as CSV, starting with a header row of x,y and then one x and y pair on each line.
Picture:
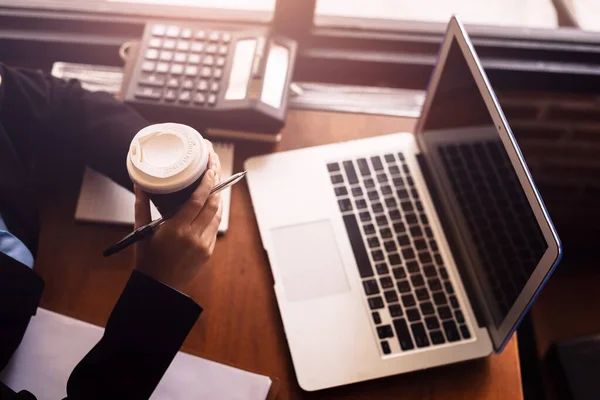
x,y
39,110
144,332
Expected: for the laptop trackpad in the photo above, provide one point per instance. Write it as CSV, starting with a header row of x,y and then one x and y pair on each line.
x,y
309,260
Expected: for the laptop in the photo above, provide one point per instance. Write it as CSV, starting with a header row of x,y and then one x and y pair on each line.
x,y
404,252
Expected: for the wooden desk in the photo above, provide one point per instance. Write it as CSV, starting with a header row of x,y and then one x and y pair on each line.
x,y
241,323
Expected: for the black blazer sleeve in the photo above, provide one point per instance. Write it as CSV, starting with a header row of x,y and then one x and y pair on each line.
x,y
52,115
144,332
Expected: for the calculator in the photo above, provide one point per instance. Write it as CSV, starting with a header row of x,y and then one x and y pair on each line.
x,y
212,78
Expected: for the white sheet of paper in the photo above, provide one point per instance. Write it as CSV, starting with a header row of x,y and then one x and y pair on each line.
x,y
587,13
54,344
102,200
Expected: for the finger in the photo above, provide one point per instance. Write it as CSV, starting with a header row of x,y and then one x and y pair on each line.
x,y
195,203
214,162
211,209
212,229
142,208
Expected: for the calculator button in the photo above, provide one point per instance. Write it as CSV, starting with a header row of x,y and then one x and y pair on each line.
x,y
226,37
162,68
148,66
186,33
194,59
173,31
211,48
200,35
176,69
155,42
180,57
202,85
169,44
214,87
185,97
197,47
188,84
209,60
153,80
166,55
222,49
173,83
148,93
152,54
214,37
220,61
212,99
159,30
206,72
218,73
199,98
183,45
170,95
191,70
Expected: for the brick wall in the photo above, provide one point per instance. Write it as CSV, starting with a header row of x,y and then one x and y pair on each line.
x,y
559,135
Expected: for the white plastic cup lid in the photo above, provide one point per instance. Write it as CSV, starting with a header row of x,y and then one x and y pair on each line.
x,y
166,158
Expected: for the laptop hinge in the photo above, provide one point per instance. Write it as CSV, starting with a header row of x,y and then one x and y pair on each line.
x,y
460,264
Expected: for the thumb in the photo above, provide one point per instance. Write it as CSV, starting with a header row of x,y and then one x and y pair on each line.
x,y
142,208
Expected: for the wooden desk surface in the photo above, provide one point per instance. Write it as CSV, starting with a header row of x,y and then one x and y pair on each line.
x,y
241,323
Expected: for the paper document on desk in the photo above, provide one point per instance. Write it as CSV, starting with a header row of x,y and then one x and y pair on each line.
x,y
102,200
54,344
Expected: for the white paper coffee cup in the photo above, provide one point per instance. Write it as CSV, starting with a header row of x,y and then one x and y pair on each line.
x,y
168,162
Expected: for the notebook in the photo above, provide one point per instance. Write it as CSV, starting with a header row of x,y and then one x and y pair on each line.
x,y
102,200
54,344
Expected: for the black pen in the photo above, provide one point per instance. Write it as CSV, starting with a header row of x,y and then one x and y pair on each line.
x,y
149,229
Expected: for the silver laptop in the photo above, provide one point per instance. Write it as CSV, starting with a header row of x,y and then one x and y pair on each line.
x,y
403,252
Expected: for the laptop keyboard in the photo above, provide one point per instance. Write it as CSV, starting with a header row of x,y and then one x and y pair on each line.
x,y
498,216
406,285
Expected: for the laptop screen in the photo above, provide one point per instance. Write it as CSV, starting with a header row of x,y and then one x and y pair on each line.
x,y
501,240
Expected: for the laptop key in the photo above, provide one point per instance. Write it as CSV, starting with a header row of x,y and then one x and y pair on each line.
x,y
405,168
394,259
413,267
358,247
403,240
394,170
427,308
430,271
373,195
389,158
381,220
448,287
386,282
399,227
416,231
369,183
385,332
440,298
459,316
357,191
395,310
464,331
375,303
395,215
403,286
385,347
434,284
335,179
432,322
377,207
363,167
350,172
373,242
444,312
417,280
333,167
408,253
401,157
382,269
340,191
410,181
438,259
376,161
428,232
386,190
398,182
390,202
377,255
454,302
403,334
382,178
390,246
345,205
419,205
443,273
385,233
425,257
365,216
411,218
371,287
451,331
406,206
422,294
369,229
420,335
376,317
361,204
437,337
408,300
399,273
391,296
402,194
413,314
